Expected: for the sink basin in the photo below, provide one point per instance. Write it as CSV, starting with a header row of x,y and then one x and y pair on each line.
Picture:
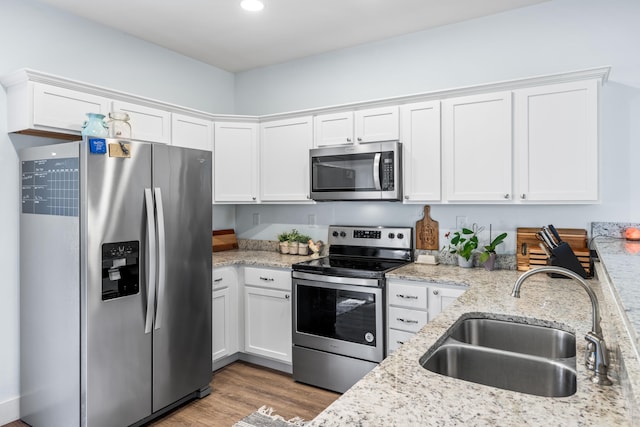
x,y
508,355
517,337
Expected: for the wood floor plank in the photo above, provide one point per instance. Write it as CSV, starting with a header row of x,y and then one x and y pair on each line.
x,y
239,389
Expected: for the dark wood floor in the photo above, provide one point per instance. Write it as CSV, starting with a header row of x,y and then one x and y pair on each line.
x,y
239,389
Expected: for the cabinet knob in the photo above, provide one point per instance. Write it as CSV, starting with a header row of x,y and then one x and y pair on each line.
x,y
287,296
523,196
406,197
253,198
359,139
436,292
506,196
348,139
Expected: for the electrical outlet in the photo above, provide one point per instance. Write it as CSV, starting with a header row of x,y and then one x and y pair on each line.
x,y
311,219
461,221
256,219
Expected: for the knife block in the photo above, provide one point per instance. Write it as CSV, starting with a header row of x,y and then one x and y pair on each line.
x,y
563,256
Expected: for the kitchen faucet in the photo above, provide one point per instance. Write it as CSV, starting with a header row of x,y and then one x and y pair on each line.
x,y
597,358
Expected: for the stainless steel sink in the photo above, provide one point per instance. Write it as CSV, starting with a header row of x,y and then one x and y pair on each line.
x,y
512,356
516,337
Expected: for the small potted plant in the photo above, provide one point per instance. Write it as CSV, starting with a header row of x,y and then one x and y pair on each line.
x,y
303,244
463,243
488,255
293,242
283,242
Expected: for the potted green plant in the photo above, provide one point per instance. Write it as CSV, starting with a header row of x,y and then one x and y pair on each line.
x,y
283,242
303,244
293,242
488,255
463,243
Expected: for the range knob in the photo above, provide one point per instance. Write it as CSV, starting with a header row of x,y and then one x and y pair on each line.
x,y
343,234
391,235
400,236
334,234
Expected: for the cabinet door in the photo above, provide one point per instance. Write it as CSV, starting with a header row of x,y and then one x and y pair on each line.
x,y
477,147
440,298
221,324
333,129
284,160
235,159
191,132
421,144
147,124
268,323
377,124
64,109
557,142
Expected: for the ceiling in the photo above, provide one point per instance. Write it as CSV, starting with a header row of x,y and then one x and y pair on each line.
x,y
220,33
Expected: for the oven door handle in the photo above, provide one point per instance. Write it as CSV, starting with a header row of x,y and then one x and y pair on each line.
x,y
376,171
336,280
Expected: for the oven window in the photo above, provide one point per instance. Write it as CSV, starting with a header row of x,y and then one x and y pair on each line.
x,y
339,314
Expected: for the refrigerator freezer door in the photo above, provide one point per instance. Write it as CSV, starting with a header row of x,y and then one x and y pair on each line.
x,y
182,332
116,351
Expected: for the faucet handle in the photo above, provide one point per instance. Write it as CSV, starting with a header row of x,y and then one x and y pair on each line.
x,y
597,358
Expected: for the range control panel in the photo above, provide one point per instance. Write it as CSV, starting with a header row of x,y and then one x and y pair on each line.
x,y
381,237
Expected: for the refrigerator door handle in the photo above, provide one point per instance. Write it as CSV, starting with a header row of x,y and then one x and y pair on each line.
x,y
150,260
161,257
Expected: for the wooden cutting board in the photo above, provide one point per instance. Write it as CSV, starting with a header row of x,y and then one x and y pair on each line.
x,y
224,240
427,232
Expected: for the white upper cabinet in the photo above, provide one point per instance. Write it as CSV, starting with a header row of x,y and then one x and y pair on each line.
x,y
235,162
284,159
191,132
477,148
420,137
556,140
38,108
333,129
377,124
147,124
360,126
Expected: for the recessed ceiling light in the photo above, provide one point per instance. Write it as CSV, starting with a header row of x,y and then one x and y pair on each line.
x,y
252,5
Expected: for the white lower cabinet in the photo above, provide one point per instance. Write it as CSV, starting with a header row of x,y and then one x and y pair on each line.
x,y
412,304
225,312
267,313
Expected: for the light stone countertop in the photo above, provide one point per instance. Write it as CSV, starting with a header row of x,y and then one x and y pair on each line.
x,y
399,392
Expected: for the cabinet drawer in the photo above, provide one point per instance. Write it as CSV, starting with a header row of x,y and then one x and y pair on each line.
x,y
268,278
397,338
406,319
224,277
406,295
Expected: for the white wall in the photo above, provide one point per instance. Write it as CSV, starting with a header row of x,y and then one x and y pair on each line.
x,y
38,37
552,37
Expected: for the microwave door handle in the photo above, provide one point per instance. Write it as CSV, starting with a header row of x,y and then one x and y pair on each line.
x,y
376,171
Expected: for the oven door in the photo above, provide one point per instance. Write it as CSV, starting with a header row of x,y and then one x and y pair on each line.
x,y
335,315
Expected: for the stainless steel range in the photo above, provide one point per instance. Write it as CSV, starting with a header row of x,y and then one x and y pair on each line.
x,y
339,304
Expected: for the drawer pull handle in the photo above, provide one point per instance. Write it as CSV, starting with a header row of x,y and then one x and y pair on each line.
x,y
400,342
267,279
218,280
406,320
407,296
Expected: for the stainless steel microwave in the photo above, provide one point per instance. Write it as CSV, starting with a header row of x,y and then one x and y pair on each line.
x,y
371,171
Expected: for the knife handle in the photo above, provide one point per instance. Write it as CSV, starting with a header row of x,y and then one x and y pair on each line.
x,y
555,233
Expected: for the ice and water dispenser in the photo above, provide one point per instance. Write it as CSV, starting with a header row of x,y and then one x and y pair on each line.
x,y
120,269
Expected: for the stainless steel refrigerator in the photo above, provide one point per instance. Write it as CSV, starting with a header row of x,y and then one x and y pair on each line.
x,y
115,298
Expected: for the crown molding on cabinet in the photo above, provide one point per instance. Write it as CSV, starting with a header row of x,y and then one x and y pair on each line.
x,y
28,75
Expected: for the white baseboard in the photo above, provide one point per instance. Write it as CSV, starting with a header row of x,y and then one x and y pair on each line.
x,y
9,411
